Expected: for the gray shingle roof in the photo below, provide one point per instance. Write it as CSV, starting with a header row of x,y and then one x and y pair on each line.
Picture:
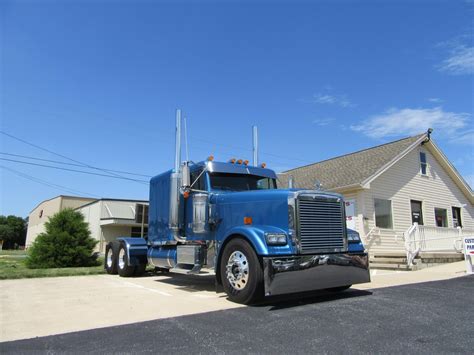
x,y
349,169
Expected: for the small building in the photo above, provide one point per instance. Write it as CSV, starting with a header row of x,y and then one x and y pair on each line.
x,y
112,218
402,197
107,218
40,214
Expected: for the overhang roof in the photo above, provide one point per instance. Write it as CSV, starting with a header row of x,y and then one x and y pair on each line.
x,y
350,170
356,170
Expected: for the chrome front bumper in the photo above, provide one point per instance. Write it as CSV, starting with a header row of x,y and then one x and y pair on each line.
x,y
314,272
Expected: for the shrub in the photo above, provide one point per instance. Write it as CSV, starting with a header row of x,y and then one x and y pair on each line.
x,y
66,243
12,231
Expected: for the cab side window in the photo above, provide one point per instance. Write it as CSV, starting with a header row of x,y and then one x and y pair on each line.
x,y
200,184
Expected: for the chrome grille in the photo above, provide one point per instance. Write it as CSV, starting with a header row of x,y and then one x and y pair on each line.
x,y
320,224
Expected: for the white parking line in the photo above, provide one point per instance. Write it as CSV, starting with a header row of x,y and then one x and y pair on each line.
x,y
131,284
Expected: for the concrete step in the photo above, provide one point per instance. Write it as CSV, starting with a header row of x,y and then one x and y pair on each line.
x,y
388,260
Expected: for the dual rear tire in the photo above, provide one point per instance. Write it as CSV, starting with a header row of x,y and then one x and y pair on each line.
x,y
117,261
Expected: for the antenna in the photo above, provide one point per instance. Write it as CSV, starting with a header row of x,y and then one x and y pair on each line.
x,y
255,145
186,138
177,158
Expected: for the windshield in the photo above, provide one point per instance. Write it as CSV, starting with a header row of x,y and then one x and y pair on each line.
x,y
240,182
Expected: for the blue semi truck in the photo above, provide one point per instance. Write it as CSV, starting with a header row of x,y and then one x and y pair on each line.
x,y
231,218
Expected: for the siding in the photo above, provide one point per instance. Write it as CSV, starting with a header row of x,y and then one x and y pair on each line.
x,y
403,182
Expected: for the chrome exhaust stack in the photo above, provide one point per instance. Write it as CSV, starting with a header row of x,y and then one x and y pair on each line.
x,y
175,184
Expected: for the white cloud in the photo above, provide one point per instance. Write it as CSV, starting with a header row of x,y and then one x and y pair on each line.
x,y
435,100
323,121
465,137
408,121
339,100
460,61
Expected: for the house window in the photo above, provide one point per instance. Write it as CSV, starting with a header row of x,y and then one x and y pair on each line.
x,y
136,232
416,212
441,217
141,214
423,164
383,213
457,217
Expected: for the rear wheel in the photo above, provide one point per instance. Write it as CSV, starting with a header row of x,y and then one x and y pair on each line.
x,y
123,264
241,272
110,263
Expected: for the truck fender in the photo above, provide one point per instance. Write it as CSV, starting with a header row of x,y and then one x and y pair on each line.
x,y
137,249
255,235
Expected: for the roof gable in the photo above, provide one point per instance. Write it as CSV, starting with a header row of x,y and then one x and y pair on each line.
x,y
351,170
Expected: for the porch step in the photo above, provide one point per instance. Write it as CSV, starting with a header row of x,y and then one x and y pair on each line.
x,y
388,260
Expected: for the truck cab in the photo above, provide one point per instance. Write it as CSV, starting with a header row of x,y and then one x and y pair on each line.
x,y
259,239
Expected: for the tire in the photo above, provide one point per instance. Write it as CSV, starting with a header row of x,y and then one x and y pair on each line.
x,y
340,288
123,265
140,270
241,272
110,262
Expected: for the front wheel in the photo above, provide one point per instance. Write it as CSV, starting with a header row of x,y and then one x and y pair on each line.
x,y
241,272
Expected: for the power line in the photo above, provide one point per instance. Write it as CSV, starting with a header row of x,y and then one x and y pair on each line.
x,y
70,164
250,150
47,183
74,170
59,155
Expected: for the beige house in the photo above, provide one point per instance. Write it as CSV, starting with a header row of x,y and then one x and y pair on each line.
x,y
404,197
40,214
110,218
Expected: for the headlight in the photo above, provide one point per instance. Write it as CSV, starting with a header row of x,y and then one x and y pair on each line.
x,y
353,237
276,238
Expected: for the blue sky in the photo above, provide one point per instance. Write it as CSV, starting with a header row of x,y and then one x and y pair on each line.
x,y
99,81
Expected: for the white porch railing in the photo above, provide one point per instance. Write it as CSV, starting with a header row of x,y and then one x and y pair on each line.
x,y
432,239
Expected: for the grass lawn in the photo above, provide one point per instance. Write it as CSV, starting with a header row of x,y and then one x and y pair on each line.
x,y
12,266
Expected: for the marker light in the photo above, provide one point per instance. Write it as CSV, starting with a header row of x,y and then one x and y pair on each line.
x,y
263,165
247,220
246,162
232,161
239,161
210,158
275,238
186,194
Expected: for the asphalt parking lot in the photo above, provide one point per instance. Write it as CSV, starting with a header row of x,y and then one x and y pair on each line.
x,y
431,317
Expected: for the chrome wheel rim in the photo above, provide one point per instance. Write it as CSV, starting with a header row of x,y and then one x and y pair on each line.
x,y
109,258
237,270
121,258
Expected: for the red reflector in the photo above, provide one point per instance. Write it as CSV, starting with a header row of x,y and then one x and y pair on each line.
x,y
247,220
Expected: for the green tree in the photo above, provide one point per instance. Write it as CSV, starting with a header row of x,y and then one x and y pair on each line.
x,y
67,242
12,231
